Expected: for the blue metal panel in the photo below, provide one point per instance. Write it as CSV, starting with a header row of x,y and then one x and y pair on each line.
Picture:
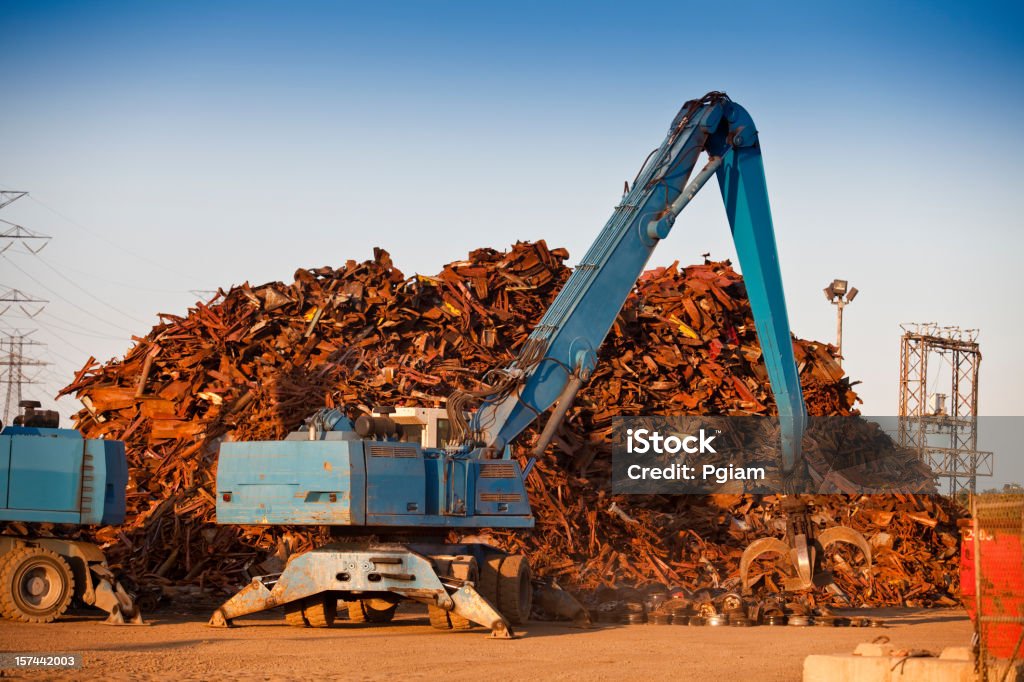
x,y
40,516
488,521
394,480
499,490
374,483
54,475
292,482
110,467
45,473
5,467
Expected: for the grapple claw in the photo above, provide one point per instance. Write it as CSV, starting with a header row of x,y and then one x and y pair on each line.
x,y
836,534
800,555
756,549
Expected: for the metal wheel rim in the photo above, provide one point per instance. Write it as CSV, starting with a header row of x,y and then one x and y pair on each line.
x,y
39,587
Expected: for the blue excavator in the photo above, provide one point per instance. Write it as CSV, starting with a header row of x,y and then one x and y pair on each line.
x,y
54,475
392,484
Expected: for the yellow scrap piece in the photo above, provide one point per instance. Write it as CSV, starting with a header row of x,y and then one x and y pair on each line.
x,y
452,309
685,328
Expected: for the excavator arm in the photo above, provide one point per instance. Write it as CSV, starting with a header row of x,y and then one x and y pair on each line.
x,y
560,354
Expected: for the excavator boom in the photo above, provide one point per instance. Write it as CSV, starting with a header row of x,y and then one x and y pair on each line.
x,y
560,354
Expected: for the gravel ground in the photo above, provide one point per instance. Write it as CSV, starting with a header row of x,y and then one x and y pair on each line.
x,y
178,645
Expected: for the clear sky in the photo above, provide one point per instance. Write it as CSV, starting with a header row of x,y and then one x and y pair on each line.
x,y
182,146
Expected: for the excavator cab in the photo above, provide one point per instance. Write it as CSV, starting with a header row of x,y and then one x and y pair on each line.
x,y
428,426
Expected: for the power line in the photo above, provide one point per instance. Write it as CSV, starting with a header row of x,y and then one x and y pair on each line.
x,y
131,285
76,364
109,241
46,319
61,296
68,343
86,292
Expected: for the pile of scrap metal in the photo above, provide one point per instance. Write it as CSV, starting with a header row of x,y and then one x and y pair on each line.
x,y
255,361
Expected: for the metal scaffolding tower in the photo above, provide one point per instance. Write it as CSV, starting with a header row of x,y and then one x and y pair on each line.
x,y
941,421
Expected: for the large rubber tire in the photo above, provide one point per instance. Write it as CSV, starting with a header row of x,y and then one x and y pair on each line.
x,y
515,589
447,620
36,585
294,616
3,560
459,622
355,611
438,617
321,611
371,611
489,572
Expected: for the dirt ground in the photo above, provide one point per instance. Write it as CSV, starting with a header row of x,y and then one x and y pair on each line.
x,y
178,645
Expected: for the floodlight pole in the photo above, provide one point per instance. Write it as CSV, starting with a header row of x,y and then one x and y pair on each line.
x,y
840,304
839,293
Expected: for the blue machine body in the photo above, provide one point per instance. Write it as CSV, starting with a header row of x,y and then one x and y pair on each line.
x,y
57,476
350,482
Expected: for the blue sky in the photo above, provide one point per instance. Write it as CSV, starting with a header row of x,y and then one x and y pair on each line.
x,y
179,146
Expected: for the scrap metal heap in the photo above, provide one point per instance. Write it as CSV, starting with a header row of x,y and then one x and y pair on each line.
x,y
255,361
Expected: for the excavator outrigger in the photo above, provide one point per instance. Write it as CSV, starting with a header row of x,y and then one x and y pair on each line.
x,y
406,486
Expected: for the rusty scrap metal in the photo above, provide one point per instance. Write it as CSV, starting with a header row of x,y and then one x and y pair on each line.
x,y
254,361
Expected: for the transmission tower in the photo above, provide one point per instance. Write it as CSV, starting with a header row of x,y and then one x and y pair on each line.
x,y
10,196
13,364
16,369
12,234
941,422
27,304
